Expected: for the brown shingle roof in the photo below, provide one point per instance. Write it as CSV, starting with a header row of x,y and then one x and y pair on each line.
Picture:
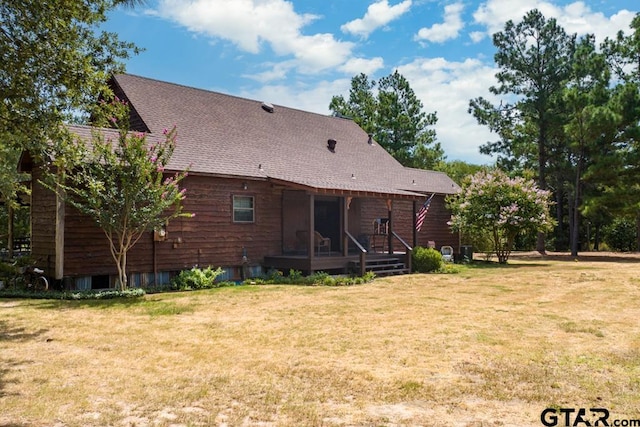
x,y
231,136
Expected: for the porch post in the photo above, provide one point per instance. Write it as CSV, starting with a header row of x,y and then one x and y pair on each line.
x,y
390,236
312,227
345,225
415,232
59,234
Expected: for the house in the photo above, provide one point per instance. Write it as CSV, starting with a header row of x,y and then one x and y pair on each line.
x,y
270,187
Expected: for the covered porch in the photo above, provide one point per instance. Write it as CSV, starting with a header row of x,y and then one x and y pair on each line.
x,y
342,231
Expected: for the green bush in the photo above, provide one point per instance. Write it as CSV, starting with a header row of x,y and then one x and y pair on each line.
x,y
71,295
197,278
426,260
320,278
621,235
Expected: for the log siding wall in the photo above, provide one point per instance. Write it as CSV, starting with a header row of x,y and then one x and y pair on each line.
x,y
209,238
435,227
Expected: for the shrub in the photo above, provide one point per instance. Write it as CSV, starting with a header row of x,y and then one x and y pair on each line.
x,y
72,295
621,235
197,278
319,278
426,260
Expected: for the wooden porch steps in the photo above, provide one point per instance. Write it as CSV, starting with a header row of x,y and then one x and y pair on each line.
x,y
386,266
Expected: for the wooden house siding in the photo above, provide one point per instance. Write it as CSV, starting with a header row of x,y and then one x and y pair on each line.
x,y
209,238
435,227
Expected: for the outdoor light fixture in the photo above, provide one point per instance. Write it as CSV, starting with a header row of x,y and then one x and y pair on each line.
x,y
160,233
244,186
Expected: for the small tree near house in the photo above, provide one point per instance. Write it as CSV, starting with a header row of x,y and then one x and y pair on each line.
x,y
499,207
121,184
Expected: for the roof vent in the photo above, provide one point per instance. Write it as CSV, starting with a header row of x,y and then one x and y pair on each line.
x,y
267,107
331,145
370,141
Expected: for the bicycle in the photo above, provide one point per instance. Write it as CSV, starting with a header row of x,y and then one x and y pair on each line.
x,y
34,279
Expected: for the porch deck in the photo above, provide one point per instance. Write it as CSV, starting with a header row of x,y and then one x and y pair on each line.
x,y
331,262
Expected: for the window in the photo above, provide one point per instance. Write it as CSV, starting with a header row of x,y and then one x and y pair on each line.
x,y
243,209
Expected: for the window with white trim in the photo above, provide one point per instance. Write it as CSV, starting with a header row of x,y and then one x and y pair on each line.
x,y
243,209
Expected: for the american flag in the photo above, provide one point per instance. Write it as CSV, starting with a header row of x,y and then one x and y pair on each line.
x,y
422,213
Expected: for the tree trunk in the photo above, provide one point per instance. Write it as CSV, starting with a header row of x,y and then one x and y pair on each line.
x,y
560,219
575,234
542,177
638,232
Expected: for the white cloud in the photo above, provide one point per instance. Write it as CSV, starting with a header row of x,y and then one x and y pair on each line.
x,y
378,15
446,88
361,65
449,29
315,98
576,17
250,24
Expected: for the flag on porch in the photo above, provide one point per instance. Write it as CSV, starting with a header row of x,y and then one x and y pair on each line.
x,y
422,213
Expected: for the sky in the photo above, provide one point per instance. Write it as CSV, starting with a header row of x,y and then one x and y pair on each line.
x,y
301,53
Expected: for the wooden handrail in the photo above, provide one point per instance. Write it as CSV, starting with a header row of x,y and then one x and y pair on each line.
x,y
355,241
405,244
363,252
409,250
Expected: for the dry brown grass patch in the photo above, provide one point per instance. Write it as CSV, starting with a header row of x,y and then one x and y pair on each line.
x,y
488,346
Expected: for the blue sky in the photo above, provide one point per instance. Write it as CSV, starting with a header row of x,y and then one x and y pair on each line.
x,y
300,53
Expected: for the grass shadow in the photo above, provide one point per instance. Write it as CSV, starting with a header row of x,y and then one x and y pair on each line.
x,y
481,264
98,304
9,333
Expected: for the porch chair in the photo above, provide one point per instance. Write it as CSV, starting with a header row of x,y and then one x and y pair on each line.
x,y
380,234
447,253
321,242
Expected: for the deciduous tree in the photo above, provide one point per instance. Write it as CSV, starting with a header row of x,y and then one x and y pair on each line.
x,y
493,204
121,184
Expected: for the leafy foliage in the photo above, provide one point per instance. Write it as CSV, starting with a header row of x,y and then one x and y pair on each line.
x,y
621,235
426,260
122,185
394,118
320,278
54,63
72,295
493,203
197,278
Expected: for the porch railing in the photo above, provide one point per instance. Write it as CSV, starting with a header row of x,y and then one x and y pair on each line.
x,y
361,250
408,250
